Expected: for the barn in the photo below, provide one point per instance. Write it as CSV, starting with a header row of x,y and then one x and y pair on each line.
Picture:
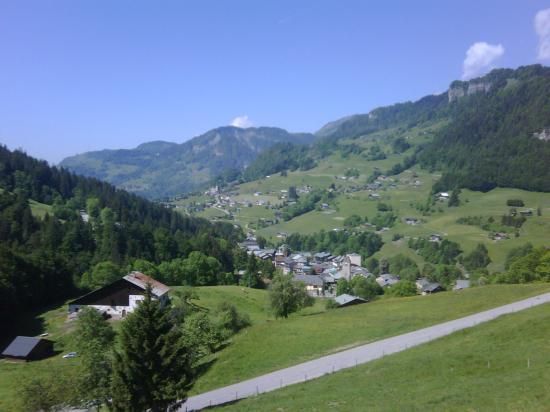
x,y
26,348
122,296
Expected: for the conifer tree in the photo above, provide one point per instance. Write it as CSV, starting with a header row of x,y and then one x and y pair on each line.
x,y
152,369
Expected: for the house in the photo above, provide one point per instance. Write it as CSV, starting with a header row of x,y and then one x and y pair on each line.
x,y
500,236
411,221
386,280
425,287
348,300
26,348
435,238
526,212
354,258
462,284
122,296
322,256
315,285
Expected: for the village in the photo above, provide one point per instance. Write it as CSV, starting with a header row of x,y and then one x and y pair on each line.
x,y
321,271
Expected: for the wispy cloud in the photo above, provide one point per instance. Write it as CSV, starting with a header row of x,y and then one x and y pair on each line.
x,y
242,121
479,57
542,27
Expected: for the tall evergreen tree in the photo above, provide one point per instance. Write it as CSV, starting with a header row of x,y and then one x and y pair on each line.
x,y
152,368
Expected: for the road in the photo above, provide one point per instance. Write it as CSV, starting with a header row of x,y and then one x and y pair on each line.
x,y
349,358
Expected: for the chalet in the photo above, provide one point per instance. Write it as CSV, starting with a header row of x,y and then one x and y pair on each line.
x,y
26,348
348,300
122,296
411,221
500,236
425,287
322,256
526,212
387,280
462,284
436,238
314,284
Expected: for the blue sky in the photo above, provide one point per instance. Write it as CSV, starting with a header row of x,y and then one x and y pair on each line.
x,y
87,75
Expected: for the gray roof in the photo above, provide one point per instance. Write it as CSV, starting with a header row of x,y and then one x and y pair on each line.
x,y
345,299
313,280
426,286
21,346
462,284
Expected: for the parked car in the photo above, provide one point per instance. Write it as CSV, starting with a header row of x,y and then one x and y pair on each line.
x,y
70,355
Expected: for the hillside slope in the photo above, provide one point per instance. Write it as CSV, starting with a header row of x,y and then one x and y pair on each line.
x,y
158,169
501,365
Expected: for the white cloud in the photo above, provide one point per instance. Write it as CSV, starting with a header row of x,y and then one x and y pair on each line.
x,y
242,121
542,27
480,56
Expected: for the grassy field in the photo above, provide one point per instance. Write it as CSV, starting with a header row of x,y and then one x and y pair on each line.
x,y
484,368
53,321
254,302
275,344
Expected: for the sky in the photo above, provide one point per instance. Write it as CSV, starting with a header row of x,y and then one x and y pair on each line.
x,y
80,75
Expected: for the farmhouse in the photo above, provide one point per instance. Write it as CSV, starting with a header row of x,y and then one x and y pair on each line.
x,y
26,348
122,296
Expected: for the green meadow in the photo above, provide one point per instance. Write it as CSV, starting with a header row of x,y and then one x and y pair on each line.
x,y
502,365
275,344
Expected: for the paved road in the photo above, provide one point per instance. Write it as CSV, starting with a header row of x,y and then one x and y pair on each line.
x,y
349,358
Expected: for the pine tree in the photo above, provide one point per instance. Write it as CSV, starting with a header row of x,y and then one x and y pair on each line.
x,y
152,368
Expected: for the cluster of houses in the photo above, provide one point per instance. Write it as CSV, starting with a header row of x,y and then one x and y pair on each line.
x,y
321,271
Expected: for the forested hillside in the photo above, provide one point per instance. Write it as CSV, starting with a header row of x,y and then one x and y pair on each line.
x,y
94,234
496,133
498,138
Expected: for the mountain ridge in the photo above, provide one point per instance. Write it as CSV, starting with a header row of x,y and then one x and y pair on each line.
x,y
159,168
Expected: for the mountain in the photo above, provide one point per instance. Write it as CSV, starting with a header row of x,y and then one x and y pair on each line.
x,y
495,133
158,169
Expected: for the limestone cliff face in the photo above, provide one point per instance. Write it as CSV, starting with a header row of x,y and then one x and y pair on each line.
x,y
460,89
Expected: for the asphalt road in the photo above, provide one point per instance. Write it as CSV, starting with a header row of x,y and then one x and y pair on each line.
x,y
350,358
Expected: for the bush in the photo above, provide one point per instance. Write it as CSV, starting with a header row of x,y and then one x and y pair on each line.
x,y
403,288
331,304
229,318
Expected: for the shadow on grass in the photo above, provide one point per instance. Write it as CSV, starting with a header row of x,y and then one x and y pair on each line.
x,y
29,323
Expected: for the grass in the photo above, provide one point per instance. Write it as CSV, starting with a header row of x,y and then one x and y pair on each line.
x,y
53,320
39,209
484,368
254,302
276,344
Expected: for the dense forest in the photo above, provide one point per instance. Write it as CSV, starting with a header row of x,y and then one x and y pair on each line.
x,y
500,125
90,228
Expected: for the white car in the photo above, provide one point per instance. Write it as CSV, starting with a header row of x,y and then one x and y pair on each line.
x,y
69,355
